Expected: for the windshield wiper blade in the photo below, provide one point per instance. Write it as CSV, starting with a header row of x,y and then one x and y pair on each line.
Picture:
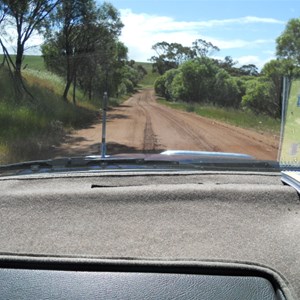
x,y
25,165
235,165
81,164
36,165
141,162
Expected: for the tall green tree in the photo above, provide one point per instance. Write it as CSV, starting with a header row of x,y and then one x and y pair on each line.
x,y
26,16
288,43
61,49
249,70
169,56
228,64
274,71
83,39
202,48
172,55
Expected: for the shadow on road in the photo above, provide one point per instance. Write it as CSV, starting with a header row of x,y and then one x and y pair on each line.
x,y
112,117
94,149
124,105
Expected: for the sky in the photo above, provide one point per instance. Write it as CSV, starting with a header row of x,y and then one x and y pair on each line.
x,y
245,30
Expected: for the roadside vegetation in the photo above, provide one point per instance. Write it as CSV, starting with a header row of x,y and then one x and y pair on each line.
x,y
236,117
192,80
29,130
33,124
44,97
150,77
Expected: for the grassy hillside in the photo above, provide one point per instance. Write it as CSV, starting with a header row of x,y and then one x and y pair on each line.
x,y
29,128
31,62
149,79
34,62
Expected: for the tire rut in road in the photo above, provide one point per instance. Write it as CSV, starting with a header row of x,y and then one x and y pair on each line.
x,y
185,130
150,140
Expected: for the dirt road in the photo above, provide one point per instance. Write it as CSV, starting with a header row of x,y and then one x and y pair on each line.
x,y
143,125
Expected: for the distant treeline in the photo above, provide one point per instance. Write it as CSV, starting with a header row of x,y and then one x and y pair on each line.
x,y
188,74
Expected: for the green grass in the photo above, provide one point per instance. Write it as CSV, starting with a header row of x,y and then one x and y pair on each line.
x,y
29,128
149,79
45,79
147,66
245,119
35,62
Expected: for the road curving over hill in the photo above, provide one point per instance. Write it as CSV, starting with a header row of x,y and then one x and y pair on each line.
x,y
141,124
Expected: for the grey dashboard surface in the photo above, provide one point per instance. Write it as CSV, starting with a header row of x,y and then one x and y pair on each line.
x,y
240,217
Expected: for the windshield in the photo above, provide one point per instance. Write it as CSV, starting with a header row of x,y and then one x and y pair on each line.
x,y
86,77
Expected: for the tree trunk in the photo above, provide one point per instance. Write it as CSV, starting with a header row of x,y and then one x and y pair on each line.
x,y
19,58
69,78
74,89
70,69
3,60
90,89
66,91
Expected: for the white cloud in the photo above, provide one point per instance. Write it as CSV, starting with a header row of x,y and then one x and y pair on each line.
x,y
252,59
142,31
243,20
237,43
249,59
155,23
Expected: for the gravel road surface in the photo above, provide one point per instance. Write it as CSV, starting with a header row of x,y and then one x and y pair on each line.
x,y
141,124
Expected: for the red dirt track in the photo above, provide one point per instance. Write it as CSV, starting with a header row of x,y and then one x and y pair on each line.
x,y
140,124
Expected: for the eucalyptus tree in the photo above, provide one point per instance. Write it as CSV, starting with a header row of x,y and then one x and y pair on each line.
x,y
169,56
81,41
26,17
288,43
172,55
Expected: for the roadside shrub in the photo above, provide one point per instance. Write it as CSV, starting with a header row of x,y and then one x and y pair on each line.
x,y
159,86
168,82
129,86
178,89
198,79
259,97
226,90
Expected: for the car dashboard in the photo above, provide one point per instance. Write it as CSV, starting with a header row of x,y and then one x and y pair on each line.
x,y
158,235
